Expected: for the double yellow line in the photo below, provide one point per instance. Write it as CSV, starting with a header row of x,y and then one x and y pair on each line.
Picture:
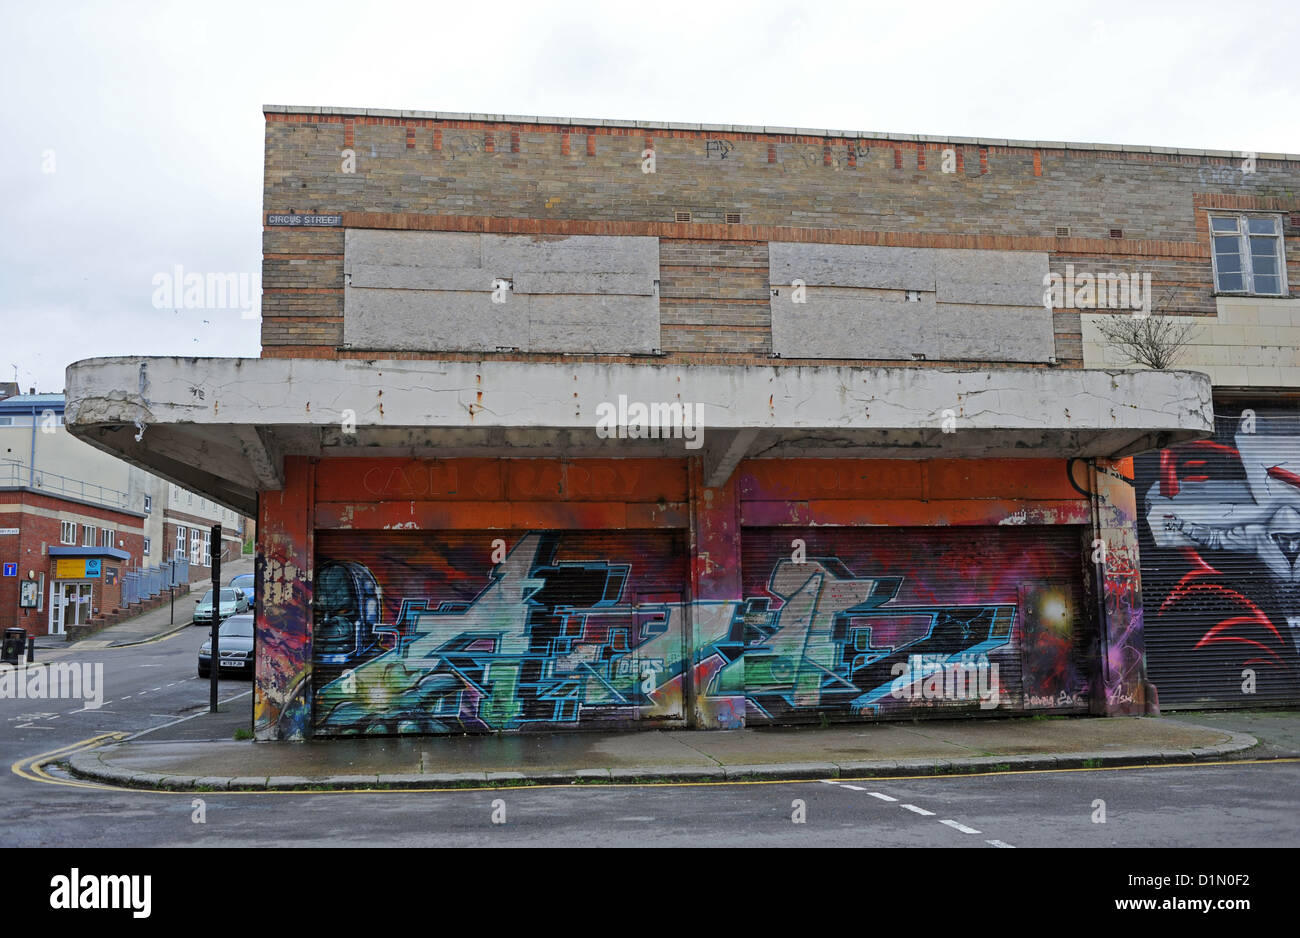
x,y
32,768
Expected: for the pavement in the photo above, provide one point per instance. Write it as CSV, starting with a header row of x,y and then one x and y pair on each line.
x,y
154,624
202,753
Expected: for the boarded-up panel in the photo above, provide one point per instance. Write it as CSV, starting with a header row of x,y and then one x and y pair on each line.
x,y
422,632
437,290
897,304
1219,529
867,623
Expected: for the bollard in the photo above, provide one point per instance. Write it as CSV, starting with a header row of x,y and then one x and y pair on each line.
x,y
31,648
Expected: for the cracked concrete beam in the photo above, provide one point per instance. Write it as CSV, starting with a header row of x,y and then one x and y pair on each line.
x,y
263,454
721,457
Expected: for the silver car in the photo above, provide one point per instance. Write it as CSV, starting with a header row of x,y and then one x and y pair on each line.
x,y
233,601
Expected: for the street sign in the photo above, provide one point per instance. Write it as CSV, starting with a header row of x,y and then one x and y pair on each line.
x,y
11,569
305,221
4,531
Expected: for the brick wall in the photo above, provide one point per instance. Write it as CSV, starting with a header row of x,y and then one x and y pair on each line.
x,y
549,179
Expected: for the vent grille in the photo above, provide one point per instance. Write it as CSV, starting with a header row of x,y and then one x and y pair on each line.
x,y
733,218
682,217
1117,232
1063,231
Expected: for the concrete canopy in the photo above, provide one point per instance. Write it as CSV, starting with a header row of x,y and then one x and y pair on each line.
x,y
222,426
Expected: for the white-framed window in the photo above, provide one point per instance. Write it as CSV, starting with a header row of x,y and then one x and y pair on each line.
x,y
1248,254
106,537
207,548
146,547
148,504
191,498
88,535
67,532
196,546
6,421
182,545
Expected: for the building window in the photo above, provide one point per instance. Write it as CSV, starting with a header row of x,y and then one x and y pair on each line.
x,y
181,543
196,547
105,537
6,421
1248,255
146,547
207,548
67,532
191,498
87,535
148,504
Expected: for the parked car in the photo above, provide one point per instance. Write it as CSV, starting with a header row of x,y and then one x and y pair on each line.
x,y
236,647
245,583
232,602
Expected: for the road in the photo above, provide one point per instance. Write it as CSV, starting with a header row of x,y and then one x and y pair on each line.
x,y
146,686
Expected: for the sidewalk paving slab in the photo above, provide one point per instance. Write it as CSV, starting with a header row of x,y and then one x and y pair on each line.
x,y
843,751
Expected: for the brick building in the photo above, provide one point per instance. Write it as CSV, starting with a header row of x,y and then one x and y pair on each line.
x,y
86,537
561,424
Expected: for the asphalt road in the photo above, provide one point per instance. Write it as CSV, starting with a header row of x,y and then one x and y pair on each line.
x,y
1237,804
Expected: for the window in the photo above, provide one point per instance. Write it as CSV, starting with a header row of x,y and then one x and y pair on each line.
x,y
181,542
87,535
146,547
1248,254
196,546
191,498
148,504
105,537
207,548
67,532
6,421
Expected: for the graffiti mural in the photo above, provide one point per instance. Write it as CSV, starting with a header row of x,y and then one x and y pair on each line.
x,y
574,628
1001,612
1221,561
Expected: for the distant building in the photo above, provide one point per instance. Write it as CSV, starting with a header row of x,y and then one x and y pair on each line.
x,y
87,530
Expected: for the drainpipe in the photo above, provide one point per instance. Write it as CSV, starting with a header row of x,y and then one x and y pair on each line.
x,y
31,468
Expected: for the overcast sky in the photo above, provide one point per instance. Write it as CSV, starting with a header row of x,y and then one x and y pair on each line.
x,y
134,130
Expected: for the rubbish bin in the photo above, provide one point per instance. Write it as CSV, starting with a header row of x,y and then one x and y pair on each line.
x,y
15,646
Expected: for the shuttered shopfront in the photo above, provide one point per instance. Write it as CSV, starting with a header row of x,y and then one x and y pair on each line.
x,y
880,622
483,631
1219,528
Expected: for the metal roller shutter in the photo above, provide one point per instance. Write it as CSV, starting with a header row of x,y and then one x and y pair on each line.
x,y
420,632
886,622
1220,551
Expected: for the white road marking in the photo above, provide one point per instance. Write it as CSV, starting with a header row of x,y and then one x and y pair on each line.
x,y
876,794
957,825
853,788
829,781
998,843
915,809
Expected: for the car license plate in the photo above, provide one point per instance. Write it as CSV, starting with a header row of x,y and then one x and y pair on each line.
x,y
233,663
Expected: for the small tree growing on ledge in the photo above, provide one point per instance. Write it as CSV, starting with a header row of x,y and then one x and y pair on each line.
x,y
1155,340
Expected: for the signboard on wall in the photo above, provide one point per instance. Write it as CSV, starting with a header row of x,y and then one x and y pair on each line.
x,y
77,568
28,594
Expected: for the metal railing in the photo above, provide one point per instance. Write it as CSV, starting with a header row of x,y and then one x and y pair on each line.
x,y
141,583
16,475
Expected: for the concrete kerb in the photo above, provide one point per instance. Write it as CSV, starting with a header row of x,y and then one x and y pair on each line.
x,y
87,764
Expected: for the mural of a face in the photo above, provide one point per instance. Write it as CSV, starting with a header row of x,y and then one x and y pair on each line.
x,y
1221,568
